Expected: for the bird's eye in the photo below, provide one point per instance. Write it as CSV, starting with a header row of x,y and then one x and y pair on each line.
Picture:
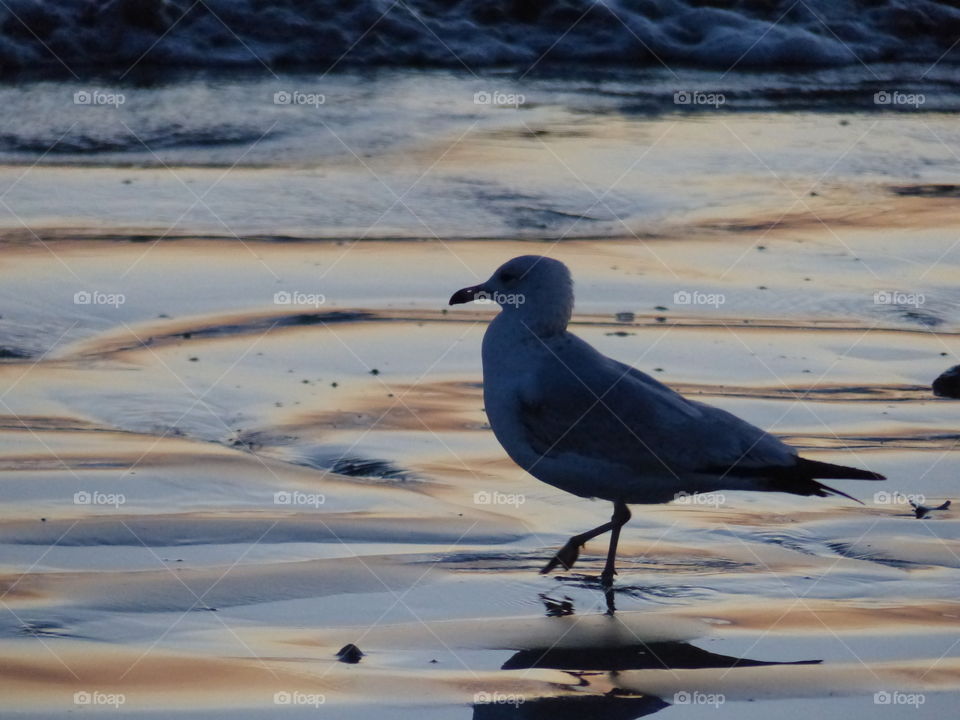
x,y
507,277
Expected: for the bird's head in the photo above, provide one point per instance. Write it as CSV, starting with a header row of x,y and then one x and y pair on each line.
x,y
537,290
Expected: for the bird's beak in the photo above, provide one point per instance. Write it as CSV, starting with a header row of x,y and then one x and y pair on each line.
x,y
467,294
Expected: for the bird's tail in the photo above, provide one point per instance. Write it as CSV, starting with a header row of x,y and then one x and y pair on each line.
x,y
829,471
800,479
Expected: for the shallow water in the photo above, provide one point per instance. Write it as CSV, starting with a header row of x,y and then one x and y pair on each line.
x,y
209,490
414,155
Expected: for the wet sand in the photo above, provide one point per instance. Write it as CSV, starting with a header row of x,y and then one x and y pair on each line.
x,y
207,492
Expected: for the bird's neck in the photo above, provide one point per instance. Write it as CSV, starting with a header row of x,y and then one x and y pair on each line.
x,y
532,328
542,322
510,347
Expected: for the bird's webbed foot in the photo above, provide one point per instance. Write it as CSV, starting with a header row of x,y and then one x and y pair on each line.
x,y
566,556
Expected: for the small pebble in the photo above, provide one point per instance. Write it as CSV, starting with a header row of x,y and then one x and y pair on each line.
x,y
349,653
948,384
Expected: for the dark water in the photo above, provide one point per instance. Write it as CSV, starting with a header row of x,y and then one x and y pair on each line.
x,y
74,35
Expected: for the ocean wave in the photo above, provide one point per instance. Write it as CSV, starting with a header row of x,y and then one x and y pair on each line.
x,y
101,139
72,35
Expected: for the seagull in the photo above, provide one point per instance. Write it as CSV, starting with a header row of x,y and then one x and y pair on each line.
x,y
595,427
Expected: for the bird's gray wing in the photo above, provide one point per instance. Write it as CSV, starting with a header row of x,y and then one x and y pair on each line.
x,y
578,401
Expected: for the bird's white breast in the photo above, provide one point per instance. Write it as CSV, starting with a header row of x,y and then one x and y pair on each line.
x,y
511,355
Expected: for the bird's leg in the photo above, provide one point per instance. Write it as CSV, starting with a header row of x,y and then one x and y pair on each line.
x,y
621,515
608,596
568,554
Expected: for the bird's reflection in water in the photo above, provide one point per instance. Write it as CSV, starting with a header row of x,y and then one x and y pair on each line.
x,y
588,664
601,707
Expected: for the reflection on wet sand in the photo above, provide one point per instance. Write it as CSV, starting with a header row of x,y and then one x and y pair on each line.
x,y
607,707
297,479
642,656
587,665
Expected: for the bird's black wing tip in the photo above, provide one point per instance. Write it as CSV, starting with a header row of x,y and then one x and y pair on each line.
x,y
801,478
814,469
